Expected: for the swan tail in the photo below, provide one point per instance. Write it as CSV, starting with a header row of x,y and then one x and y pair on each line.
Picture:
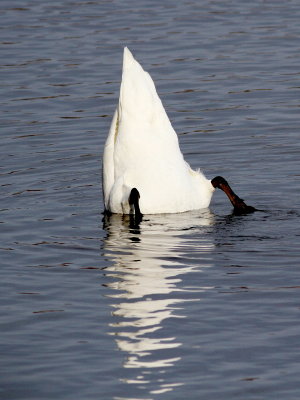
x,y
140,101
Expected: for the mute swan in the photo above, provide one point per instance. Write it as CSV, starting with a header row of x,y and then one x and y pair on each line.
x,y
144,171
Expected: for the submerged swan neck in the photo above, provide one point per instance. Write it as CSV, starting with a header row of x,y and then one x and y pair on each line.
x,y
240,207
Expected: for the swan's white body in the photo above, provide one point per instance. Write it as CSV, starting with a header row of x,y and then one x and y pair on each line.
x,y
142,152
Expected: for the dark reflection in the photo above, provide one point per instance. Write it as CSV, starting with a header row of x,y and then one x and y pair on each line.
x,y
135,221
132,221
148,261
238,229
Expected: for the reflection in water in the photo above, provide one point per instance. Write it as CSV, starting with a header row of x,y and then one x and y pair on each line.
x,y
147,262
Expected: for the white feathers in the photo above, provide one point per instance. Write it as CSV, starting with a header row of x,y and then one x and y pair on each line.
x,y
142,151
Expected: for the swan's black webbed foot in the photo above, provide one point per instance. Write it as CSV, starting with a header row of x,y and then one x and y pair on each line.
x,y
107,213
134,202
135,213
239,206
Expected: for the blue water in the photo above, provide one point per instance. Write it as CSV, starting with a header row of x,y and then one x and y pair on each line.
x,y
200,305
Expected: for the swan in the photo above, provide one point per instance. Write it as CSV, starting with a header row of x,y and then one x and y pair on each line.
x,y
144,171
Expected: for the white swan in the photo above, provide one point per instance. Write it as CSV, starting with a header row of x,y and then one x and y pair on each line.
x,y
144,171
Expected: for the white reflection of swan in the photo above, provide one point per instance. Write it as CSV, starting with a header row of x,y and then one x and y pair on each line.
x,y
147,262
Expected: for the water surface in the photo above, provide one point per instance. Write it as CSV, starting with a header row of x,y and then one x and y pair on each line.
x,y
201,304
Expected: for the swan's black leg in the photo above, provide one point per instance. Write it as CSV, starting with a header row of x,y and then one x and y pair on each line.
x,y
134,199
107,213
135,213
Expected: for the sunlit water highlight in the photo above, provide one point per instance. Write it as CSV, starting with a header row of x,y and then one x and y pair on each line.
x,y
147,285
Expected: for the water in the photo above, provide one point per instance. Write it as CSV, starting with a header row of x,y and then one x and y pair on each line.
x,y
203,305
